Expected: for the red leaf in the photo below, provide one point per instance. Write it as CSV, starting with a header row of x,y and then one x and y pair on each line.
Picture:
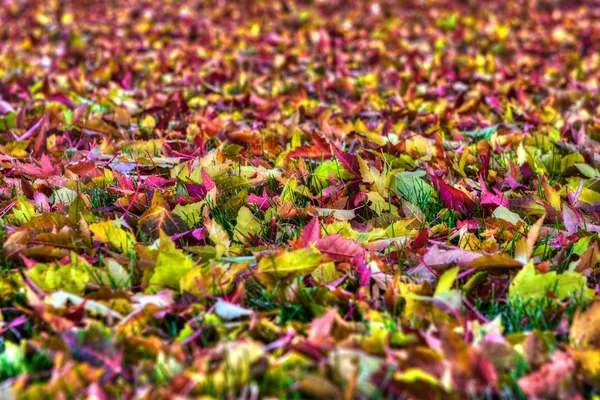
x,y
86,169
320,149
348,161
311,232
453,198
420,241
339,248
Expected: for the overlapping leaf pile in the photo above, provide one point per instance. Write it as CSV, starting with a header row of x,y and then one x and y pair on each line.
x,y
342,199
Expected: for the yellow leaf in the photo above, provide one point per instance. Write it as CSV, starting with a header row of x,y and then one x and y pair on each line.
x,y
301,262
531,286
23,211
218,236
110,232
551,195
370,174
247,224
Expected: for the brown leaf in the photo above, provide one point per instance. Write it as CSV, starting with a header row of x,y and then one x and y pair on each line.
x,y
493,262
159,218
533,235
585,329
588,259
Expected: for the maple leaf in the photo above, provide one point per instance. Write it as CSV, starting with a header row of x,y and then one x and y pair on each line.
x,y
349,161
555,378
282,264
45,169
452,198
171,265
158,219
339,248
532,287
110,232
311,232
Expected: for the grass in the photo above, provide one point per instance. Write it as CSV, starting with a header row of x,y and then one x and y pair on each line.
x,y
526,315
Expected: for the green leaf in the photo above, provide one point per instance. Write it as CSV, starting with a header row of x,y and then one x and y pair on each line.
x,y
23,211
587,170
72,277
171,265
334,168
300,262
190,213
531,286
507,215
485,133
410,186
247,224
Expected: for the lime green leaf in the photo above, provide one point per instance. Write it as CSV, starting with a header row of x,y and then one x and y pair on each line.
x,y
587,170
190,213
171,265
72,277
333,168
23,211
531,286
247,224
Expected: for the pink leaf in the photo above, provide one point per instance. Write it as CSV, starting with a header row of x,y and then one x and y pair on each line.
x,y
364,273
553,380
311,232
261,201
207,181
320,328
200,233
339,248
489,199
45,170
156,182
571,219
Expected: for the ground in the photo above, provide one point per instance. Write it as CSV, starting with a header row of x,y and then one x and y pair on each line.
x,y
299,199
